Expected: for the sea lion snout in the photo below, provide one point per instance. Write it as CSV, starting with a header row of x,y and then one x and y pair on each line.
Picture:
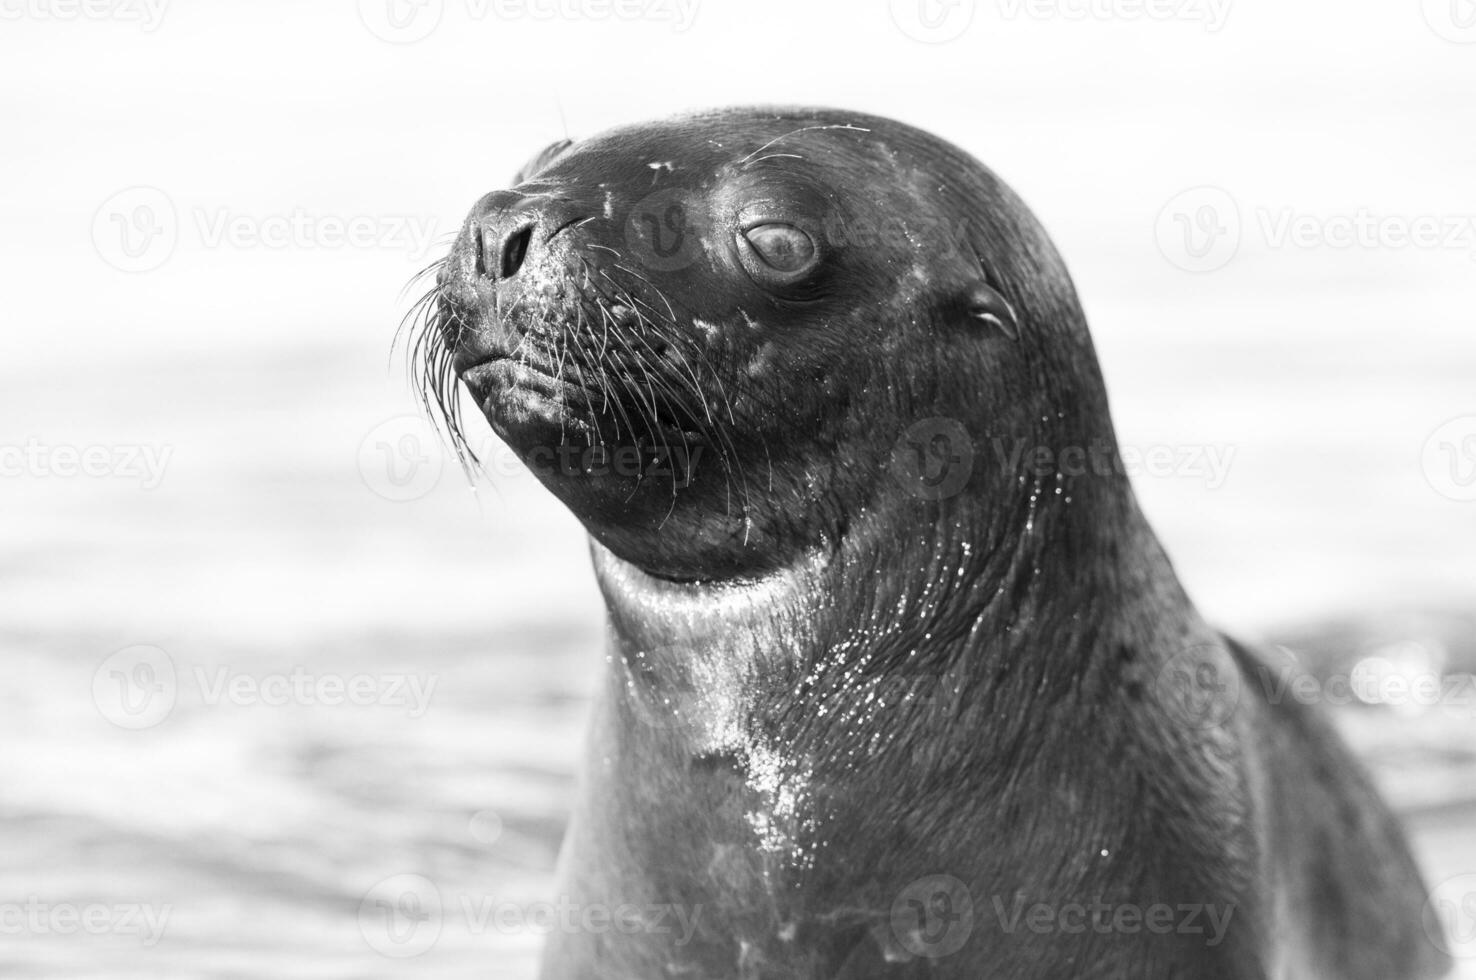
x,y
506,226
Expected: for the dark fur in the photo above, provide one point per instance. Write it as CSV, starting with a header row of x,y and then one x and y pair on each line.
x,y
824,688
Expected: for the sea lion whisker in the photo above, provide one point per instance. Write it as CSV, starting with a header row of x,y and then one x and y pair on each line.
x,y
607,376
795,132
591,370
657,289
435,267
728,452
669,346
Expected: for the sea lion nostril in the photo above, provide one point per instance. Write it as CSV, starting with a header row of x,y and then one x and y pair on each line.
x,y
479,240
515,251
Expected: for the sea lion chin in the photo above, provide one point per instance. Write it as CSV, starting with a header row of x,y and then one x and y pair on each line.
x,y
879,682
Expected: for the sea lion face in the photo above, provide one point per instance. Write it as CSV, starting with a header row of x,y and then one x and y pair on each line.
x,y
706,335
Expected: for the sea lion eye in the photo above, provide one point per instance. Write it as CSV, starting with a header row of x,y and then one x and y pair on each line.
x,y
783,248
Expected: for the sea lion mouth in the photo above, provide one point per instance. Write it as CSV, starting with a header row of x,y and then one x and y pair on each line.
x,y
514,393
572,352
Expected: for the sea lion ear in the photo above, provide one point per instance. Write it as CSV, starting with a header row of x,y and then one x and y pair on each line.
x,y
986,305
541,159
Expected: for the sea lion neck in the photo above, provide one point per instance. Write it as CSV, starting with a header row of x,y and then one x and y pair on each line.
x,y
721,660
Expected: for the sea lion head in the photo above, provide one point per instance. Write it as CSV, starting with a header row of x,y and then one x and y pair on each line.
x,y
711,336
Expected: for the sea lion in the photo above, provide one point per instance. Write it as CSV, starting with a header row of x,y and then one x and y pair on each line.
x,y
888,696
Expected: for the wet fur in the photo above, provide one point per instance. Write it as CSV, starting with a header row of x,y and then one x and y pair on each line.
x,y
852,688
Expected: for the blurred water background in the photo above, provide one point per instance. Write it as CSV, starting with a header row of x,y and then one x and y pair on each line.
x,y
274,538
